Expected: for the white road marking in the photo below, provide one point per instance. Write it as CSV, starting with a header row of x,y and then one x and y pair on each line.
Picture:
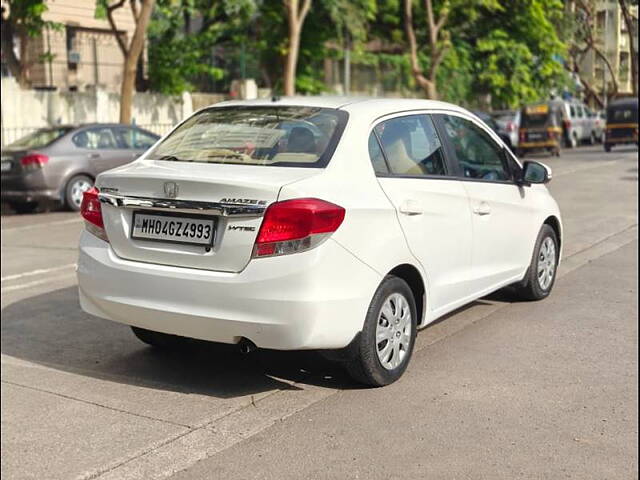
x,y
46,224
35,283
40,271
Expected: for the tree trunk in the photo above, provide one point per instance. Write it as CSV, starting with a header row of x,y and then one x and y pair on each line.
x,y
628,20
17,66
292,61
295,19
131,61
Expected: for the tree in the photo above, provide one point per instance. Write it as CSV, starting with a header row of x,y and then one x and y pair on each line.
x,y
631,23
22,19
131,51
582,42
516,51
438,41
296,15
183,35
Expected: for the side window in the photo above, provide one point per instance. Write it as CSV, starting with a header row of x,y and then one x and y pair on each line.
x,y
376,156
133,138
412,146
572,111
580,111
100,138
478,155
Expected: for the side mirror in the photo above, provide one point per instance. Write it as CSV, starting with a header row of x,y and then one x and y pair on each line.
x,y
535,172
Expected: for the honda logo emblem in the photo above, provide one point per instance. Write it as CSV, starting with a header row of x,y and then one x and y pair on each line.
x,y
171,189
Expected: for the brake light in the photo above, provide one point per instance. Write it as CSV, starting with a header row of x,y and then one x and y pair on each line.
x,y
296,225
510,127
91,211
567,124
522,135
33,161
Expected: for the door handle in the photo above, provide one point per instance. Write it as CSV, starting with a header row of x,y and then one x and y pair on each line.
x,y
482,209
411,207
94,155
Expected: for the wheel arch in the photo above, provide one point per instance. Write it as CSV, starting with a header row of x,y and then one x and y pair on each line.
x,y
410,274
554,223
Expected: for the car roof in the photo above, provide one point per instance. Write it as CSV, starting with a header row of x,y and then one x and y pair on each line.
x,y
375,107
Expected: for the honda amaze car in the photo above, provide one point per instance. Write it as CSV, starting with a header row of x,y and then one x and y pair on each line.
x,y
59,163
356,225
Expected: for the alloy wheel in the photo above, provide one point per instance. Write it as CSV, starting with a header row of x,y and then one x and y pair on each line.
x,y
393,331
546,263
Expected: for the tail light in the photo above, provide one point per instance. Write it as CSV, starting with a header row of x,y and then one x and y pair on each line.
x,y
510,127
297,225
91,211
33,161
522,135
567,124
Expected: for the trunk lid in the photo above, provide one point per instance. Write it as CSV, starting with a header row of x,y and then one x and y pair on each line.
x,y
231,185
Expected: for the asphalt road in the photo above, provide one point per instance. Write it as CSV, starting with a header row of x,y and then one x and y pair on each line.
x,y
495,390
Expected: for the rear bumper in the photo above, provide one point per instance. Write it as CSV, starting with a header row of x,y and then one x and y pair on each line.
x,y
27,188
317,299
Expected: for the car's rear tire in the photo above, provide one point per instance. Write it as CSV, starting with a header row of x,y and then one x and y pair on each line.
x,y
607,147
74,189
24,207
542,271
382,351
157,339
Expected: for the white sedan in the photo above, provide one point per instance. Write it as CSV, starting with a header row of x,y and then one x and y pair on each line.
x,y
316,223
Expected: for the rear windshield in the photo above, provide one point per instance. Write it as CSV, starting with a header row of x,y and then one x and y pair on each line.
x,y
40,138
622,115
271,136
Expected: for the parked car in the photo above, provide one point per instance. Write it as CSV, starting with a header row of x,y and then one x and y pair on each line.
x,y
509,125
622,123
229,232
60,163
598,122
577,125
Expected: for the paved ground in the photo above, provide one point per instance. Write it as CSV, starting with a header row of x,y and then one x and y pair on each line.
x,y
496,390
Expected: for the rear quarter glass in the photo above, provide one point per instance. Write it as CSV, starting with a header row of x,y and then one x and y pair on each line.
x,y
283,136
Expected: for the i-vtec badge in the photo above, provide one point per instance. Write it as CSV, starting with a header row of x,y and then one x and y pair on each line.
x,y
242,228
243,201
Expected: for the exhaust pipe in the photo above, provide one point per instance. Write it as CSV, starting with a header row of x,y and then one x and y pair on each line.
x,y
246,346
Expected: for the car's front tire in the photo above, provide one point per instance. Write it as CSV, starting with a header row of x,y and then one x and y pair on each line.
x,y
542,272
383,349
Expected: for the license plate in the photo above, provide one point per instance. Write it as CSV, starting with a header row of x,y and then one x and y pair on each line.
x,y
535,136
5,166
173,228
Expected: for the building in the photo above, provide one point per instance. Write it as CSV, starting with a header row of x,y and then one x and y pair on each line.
x,y
83,53
613,39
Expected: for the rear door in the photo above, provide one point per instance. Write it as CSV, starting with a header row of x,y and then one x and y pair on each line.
x,y
101,148
501,218
431,204
133,141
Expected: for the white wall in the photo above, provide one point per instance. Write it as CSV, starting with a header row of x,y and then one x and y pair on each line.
x,y
25,110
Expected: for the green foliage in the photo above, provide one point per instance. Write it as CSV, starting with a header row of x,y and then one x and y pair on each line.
x,y
182,36
26,16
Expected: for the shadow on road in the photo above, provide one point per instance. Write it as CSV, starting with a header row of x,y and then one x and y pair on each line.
x,y
52,330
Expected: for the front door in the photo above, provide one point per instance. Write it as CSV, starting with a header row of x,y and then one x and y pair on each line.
x,y
431,204
501,219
